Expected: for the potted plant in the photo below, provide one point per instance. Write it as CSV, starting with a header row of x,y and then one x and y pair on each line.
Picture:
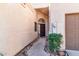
x,y
55,41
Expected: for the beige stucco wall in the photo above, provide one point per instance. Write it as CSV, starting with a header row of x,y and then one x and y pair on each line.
x,y
58,11
16,27
41,15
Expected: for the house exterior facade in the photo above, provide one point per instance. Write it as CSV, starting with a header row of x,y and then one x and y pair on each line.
x,y
19,26
16,27
66,17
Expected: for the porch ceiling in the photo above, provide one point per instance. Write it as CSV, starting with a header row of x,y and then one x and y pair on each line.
x,y
45,11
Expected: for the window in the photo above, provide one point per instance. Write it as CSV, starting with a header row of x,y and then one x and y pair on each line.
x,y
35,28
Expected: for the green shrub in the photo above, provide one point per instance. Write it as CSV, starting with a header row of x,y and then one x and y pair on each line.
x,y
54,41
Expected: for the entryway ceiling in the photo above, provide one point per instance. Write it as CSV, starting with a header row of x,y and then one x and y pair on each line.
x,y
45,10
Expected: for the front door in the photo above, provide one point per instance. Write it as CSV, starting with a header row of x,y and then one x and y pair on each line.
x,y
42,30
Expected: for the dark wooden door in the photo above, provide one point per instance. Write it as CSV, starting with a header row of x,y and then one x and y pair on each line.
x,y
42,30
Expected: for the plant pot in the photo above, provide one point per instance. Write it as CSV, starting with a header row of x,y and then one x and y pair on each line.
x,y
60,53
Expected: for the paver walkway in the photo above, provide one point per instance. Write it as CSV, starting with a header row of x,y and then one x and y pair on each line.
x,y
38,48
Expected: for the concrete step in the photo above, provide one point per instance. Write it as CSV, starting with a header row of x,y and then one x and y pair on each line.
x,y
73,52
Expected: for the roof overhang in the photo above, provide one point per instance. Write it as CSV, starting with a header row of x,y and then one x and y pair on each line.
x,y
40,5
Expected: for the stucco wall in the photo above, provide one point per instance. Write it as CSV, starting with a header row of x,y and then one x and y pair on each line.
x,y
58,11
16,27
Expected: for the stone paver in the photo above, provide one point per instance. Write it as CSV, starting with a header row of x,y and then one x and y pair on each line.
x,y
38,48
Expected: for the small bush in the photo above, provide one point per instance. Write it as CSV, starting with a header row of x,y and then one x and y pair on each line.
x,y
54,41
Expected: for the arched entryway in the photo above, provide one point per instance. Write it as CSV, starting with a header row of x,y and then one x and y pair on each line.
x,y
41,22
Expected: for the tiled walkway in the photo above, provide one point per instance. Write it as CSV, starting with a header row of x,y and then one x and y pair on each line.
x,y
38,48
